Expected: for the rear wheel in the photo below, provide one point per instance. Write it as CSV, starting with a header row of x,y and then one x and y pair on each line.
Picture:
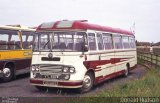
x,y
127,70
88,82
8,73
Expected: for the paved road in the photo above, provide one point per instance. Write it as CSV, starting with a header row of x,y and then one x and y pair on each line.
x,y
22,88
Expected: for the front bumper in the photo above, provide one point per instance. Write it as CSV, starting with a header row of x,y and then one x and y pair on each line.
x,y
58,84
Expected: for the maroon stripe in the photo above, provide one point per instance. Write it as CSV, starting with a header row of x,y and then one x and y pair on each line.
x,y
22,63
94,64
18,63
70,83
36,81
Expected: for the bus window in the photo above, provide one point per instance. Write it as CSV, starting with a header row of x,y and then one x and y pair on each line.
x,y
68,41
107,39
126,44
80,40
45,41
92,41
9,40
118,42
14,42
100,42
60,41
27,39
132,42
3,41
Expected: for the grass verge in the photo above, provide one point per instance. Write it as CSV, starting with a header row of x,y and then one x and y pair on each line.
x,y
148,86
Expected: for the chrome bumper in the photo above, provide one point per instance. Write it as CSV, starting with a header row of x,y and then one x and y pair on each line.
x,y
58,84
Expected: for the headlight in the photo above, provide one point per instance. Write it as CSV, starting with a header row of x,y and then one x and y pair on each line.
x,y
35,68
72,70
68,70
65,69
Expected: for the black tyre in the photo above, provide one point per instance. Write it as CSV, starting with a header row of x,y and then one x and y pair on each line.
x,y
127,70
8,73
88,82
41,88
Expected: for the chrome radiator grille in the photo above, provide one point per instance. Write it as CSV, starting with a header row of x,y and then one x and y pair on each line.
x,y
50,69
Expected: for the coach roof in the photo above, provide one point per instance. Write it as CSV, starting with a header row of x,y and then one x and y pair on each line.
x,y
16,27
81,25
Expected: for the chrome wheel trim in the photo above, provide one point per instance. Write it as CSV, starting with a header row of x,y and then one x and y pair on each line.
x,y
87,82
7,72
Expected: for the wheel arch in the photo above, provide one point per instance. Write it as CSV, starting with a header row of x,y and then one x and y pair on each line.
x,y
91,71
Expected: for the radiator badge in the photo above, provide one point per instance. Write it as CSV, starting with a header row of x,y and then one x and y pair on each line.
x,y
50,55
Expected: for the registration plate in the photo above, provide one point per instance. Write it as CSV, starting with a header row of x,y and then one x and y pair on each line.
x,y
50,83
50,76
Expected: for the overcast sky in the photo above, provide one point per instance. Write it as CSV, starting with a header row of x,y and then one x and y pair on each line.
x,y
115,13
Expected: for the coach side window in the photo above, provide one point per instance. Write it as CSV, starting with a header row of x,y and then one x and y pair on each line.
x,y
100,42
118,42
27,38
3,40
125,41
92,41
132,42
9,40
14,41
108,43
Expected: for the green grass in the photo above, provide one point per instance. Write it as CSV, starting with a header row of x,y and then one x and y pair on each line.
x,y
147,86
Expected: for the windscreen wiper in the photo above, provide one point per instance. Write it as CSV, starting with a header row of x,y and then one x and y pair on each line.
x,y
46,44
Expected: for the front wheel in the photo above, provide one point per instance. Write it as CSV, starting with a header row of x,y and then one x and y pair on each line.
x,y
8,73
88,82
